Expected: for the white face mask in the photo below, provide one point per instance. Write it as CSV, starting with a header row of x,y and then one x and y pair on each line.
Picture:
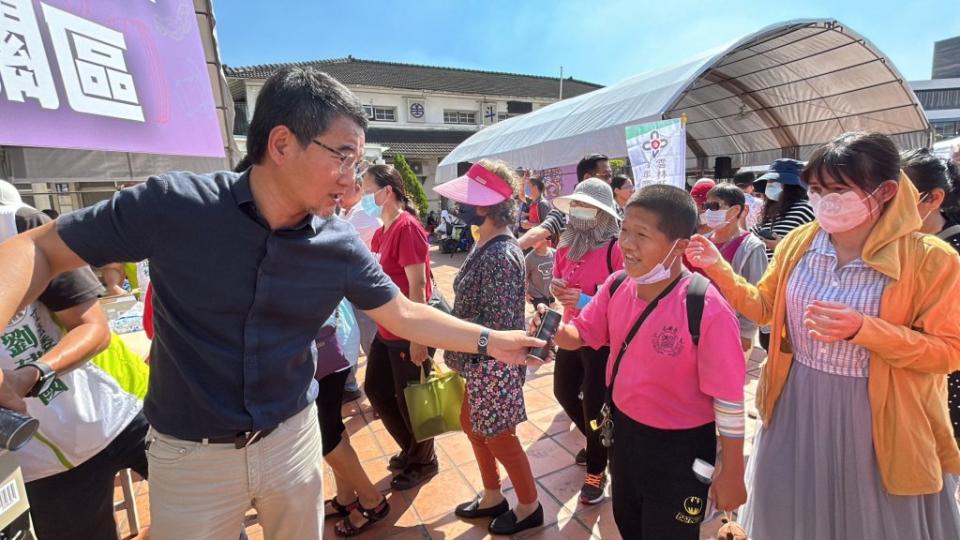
x,y
715,218
659,272
923,200
840,212
773,191
586,214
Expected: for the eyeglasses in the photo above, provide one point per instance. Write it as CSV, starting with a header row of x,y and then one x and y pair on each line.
x,y
347,161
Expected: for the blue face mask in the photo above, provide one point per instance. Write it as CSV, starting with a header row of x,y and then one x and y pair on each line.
x,y
368,203
469,215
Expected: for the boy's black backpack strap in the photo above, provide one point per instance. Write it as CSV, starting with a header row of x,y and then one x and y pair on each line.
x,y
617,282
696,296
610,267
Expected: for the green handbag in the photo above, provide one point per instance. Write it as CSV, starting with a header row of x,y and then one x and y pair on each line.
x,y
434,404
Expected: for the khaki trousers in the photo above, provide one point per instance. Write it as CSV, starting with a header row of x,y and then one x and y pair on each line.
x,y
202,491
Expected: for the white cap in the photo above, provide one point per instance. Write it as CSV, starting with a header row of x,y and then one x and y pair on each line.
x,y
9,195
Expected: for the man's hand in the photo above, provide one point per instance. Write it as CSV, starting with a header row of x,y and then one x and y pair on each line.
x,y
728,489
511,346
533,236
14,385
771,244
115,290
832,321
418,354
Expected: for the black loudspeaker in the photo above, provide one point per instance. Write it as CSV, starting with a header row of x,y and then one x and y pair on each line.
x,y
722,168
463,167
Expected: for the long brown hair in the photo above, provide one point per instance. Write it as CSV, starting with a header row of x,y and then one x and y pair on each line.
x,y
387,175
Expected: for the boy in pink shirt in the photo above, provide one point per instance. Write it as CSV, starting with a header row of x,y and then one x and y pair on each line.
x,y
670,396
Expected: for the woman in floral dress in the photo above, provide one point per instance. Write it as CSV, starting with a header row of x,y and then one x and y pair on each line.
x,y
490,291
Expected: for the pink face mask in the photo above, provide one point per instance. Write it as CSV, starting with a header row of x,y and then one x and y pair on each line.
x,y
840,212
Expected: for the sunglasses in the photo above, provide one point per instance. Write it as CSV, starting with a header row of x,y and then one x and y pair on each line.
x,y
713,206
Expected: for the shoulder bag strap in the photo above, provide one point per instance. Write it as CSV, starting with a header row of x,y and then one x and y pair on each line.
x,y
633,332
948,232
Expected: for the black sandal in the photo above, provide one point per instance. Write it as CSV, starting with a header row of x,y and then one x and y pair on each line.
x,y
340,509
345,528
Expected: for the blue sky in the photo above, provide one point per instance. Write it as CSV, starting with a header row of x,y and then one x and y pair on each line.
x,y
599,41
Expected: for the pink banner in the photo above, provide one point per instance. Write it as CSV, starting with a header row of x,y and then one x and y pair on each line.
x,y
119,75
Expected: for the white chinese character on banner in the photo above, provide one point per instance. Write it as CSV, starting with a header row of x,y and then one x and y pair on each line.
x,y
94,71
24,71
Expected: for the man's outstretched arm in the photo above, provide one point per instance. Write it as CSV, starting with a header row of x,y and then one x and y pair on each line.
x,y
421,323
30,261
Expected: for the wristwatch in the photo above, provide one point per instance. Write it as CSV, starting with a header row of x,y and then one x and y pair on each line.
x,y
483,341
47,375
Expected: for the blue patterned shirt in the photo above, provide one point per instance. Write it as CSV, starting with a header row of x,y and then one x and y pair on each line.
x,y
817,277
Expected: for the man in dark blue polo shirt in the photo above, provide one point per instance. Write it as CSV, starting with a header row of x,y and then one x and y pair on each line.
x,y
245,268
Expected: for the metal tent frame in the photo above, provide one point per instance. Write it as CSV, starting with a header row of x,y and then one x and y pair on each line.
x,y
779,92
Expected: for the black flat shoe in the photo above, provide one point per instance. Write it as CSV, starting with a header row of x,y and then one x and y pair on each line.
x,y
507,524
414,475
472,510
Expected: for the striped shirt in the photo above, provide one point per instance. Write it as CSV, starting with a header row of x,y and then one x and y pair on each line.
x,y
798,214
555,222
817,277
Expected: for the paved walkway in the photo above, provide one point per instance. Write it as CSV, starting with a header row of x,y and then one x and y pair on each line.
x,y
427,512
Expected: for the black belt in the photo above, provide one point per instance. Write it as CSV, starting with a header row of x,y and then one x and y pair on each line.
x,y
240,440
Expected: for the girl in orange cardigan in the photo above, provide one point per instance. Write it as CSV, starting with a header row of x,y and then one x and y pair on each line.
x,y
856,440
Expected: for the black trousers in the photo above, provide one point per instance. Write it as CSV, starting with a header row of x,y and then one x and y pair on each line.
x,y
389,369
583,372
656,496
78,503
765,341
329,405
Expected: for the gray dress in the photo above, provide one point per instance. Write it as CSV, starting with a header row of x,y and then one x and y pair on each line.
x,y
813,472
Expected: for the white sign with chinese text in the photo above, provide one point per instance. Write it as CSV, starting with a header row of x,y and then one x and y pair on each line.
x,y
657,152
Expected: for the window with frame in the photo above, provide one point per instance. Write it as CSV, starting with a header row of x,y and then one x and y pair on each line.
x,y
502,116
460,117
380,114
944,98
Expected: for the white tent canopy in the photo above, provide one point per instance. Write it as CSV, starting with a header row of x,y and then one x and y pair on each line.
x,y
779,92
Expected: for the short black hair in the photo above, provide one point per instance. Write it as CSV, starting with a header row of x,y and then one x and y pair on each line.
x,y
929,172
588,165
675,210
538,182
730,194
305,100
744,179
618,181
862,159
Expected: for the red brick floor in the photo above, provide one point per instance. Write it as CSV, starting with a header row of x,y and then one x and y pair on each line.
x,y
427,512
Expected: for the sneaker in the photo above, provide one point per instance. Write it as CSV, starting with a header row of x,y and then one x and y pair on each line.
x,y
581,458
593,487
